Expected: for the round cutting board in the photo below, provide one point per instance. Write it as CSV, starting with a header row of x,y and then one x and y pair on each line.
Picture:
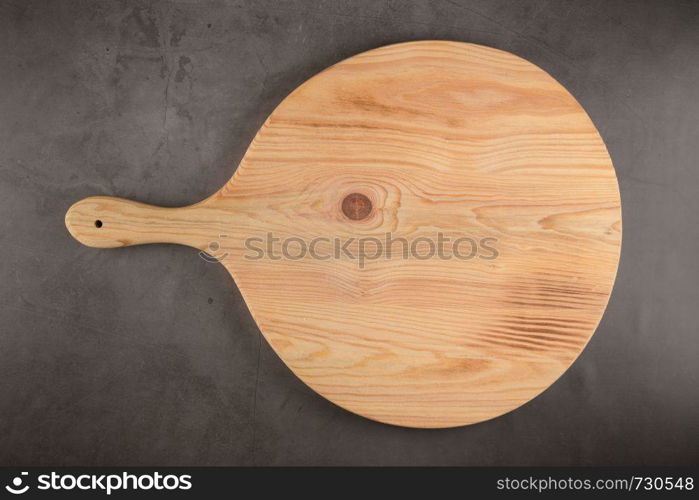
x,y
427,233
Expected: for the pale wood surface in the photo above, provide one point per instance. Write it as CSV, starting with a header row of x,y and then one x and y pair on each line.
x,y
440,136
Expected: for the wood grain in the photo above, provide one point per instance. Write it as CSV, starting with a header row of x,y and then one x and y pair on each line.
x,y
441,137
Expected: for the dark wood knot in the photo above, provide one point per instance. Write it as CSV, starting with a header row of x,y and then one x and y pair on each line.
x,y
356,206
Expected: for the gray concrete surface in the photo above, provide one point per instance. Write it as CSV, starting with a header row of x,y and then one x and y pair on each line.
x,y
148,355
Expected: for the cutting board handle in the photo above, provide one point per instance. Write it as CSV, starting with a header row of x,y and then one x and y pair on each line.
x,y
106,222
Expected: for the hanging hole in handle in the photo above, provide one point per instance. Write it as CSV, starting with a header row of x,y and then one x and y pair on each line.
x,y
98,223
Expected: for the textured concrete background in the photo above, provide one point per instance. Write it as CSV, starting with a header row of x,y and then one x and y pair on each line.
x,y
148,355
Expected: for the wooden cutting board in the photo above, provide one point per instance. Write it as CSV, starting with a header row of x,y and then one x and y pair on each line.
x,y
408,142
